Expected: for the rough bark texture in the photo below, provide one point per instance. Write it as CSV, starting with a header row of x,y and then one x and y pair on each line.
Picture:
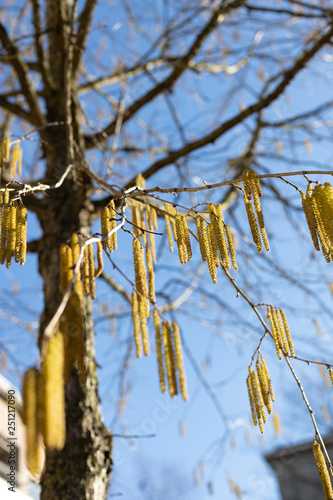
x,y
82,469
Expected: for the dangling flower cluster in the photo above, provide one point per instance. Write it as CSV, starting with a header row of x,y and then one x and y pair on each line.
x,y
13,231
280,332
183,239
260,392
44,405
69,255
317,205
141,296
252,189
72,320
213,238
108,223
11,159
323,470
170,357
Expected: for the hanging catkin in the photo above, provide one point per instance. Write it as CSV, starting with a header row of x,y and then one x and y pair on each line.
x,y
323,470
33,419
52,371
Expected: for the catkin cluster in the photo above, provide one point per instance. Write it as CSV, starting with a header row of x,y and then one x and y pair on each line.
x,y
183,239
170,357
11,158
88,271
280,332
317,205
214,239
13,230
323,470
108,224
260,391
44,405
143,295
253,191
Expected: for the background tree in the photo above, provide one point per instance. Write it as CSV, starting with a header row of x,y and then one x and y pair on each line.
x,y
189,95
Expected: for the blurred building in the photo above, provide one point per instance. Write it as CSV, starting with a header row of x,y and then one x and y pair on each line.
x,y
25,489
296,471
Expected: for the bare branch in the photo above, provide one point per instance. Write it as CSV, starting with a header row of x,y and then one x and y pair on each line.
x,y
264,102
21,71
179,69
83,32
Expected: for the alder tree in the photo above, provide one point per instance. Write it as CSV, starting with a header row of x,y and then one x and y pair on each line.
x,y
148,141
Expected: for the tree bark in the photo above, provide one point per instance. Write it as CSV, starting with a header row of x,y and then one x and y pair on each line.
x,y
82,469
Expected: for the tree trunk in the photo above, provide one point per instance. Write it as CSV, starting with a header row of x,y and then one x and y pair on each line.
x,y
82,469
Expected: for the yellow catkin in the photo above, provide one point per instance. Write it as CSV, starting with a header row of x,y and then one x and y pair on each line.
x,y
255,183
18,234
260,408
330,372
15,160
5,153
327,201
106,228
31,418
154,217
66,265
6,197
288,334
256,192
52,371
11,236
180,239
23,234
310,218
169,358
247,184
213,245
135,220
151,232
200,238
280,330
72,327
136,325
268,377
180,361
323,471
208,252
264,386
144,326
151,276
142,224
91,271
113,223
187,238
4,230
140,277
167,225
85,271
276,423
251,399
321,231
100,265
231,247
221,239
159,351
140,181
270,318
252,223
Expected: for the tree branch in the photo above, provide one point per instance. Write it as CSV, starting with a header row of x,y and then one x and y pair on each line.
x,y
21,71
165,84
83,32
42,63
17,110
264,102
